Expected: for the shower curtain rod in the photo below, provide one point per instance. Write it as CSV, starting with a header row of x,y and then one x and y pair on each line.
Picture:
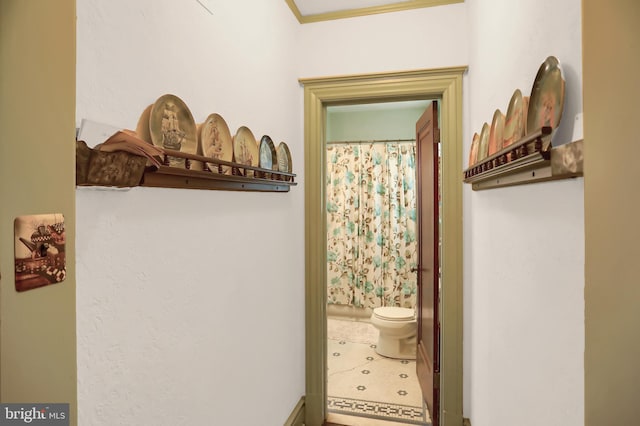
x,y
371,141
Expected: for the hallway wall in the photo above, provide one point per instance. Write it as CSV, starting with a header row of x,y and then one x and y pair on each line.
x,y
387,42
612,205
190,303
523,246
37,157
160,271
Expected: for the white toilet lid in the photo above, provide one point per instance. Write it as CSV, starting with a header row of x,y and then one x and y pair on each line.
x,y
394,313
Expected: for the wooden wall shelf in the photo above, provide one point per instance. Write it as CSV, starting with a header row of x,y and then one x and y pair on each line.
x,y
173,177
531,159
122,169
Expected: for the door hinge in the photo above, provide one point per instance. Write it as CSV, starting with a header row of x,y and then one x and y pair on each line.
x,y
436,380
436,135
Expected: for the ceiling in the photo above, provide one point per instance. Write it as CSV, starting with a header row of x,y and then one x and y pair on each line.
x,y
307,11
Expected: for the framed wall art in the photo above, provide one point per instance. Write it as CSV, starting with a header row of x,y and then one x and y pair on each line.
x,y
39,250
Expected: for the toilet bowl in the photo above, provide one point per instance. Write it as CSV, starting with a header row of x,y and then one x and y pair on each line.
x,y
397,327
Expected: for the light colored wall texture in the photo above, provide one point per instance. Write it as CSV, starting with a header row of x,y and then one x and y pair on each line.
x,y
523,246
161,271
190,303
431,37
37,163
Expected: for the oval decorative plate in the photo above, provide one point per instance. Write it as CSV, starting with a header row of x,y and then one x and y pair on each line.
x,y
473,151
216,142
284,159
245,149
483,144
547,97
142,128
514,124
496,134
172,126
268,156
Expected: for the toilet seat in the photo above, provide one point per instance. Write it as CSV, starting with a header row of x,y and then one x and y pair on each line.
x,y
394,313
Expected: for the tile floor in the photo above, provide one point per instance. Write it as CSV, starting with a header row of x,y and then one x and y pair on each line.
x,y
367,389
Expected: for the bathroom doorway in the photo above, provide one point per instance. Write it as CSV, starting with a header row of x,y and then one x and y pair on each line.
x,y
372,258
319,93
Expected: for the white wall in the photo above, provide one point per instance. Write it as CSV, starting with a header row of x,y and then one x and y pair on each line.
x,y
154,346
524,246
190,304
397,41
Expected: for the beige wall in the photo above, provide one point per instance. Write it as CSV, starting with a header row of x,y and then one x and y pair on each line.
x,y
37,169
612,208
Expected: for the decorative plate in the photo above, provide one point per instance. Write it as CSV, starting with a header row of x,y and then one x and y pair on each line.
x,y
172,127
514,124
216,142
245,149
284,159
496,134
142,128
268,156
483,144
473,152
547,96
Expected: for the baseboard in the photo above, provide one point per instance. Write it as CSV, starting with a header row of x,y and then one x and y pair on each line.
x,y
296,418
348,312
466,422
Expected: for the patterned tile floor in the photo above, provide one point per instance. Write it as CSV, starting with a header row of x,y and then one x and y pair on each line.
x,y
366,385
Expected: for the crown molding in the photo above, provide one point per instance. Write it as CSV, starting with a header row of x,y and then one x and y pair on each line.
x,y
394,7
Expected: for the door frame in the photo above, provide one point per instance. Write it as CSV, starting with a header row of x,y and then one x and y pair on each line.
x,y
444,84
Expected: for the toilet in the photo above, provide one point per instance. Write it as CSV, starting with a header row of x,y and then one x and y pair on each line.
x,y
397,327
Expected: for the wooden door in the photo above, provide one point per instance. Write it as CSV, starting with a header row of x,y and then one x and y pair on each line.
x,y
428,351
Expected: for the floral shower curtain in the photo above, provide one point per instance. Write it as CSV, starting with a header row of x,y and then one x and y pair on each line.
x,y
371,224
